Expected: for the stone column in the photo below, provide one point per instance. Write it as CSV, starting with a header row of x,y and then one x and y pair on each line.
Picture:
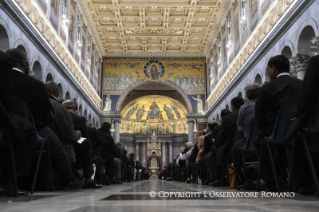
x,y
163,154
191,131
144,154
137,152
116,131
170,152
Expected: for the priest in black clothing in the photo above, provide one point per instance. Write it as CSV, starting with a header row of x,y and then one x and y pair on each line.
x,y
23,133
266,109
223,141
34,93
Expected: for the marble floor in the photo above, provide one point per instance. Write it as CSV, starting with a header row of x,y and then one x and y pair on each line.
x,y
138,196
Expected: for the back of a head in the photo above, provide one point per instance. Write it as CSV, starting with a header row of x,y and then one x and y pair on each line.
x,y
17,55
70,104
189,145
280,62
237,102
106,127
51,87
224,112
252,91
212,125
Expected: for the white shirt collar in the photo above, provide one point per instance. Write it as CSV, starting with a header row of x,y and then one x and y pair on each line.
x,y
283,74
17,70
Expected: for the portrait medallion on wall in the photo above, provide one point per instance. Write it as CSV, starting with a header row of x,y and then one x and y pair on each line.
x,y
154,69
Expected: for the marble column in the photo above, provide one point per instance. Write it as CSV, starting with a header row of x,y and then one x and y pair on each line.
x,y
170,152
137,152
116,131
144,154
191,131
163,154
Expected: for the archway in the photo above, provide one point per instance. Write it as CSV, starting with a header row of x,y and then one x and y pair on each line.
x,y
37,70
240,95
49,78
4,39
188,104
304,41
89,119
85,114
67,95
258,79
23,49
80,110
60,91
287,52
227,107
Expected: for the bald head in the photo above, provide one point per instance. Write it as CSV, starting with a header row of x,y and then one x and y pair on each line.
x,y
52,89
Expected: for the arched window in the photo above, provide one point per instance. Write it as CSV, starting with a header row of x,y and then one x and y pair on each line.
x,y
258,79
67,95
60,91
49,78
80,110
240,95
304,41
4,39
287,52
22,48
37,70
227,107
85,114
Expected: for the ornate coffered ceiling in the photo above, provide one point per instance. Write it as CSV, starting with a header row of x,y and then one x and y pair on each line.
x,y
154,28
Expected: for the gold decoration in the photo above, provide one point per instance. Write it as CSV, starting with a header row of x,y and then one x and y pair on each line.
x,y
48,34
254,42
35,16
53,41
19,1
259,35
272,18
27,6
265,27
288,2
42,26
280,8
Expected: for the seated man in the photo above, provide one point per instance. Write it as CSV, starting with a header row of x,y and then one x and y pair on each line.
x,y
105,141
208,142
223,141
34,93
266,110
306,103
189,163
69,136
209,157
246,117
22,133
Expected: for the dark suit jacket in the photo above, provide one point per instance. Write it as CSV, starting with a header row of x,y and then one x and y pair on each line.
x,y
34,93
79,123
208,143
105,141
269,100
225,136
309,93
6,82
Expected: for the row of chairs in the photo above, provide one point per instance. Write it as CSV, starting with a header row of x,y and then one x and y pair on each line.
x,y
41,146
277,138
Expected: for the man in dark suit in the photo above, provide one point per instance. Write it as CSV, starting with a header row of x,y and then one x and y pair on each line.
x,y
83,150
22,133
307,100
266,109
105,141
223,141
34,93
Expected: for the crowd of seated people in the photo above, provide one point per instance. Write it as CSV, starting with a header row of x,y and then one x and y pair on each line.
x,y
221,145
81,156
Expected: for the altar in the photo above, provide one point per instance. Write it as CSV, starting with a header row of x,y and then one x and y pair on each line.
x,y
154,154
